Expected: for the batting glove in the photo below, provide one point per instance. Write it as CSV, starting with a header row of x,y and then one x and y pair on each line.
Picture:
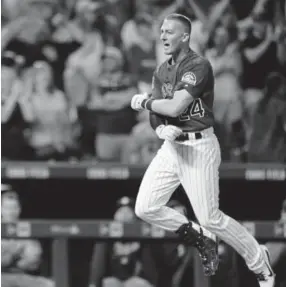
x,y
168,132
136,101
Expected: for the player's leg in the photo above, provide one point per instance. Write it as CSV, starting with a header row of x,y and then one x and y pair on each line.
x,y
199,169
159,182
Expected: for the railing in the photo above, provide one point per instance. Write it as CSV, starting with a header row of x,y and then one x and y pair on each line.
x,y
60,231
45,170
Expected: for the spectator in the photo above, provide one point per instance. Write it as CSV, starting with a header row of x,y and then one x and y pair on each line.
x,y
11,8
14,146
31,37
115,118
83,68
117,13
50,115
142,57
129,32
267,141
24,37
20,258
260,58
227,67
8,78
122,264
90,16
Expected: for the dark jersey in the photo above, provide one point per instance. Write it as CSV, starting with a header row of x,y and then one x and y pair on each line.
x,y
124,259
194,74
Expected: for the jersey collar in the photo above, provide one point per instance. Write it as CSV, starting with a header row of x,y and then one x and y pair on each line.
x,y
170,60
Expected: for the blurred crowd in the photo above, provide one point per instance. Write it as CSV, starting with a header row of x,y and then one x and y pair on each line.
x,y
70,68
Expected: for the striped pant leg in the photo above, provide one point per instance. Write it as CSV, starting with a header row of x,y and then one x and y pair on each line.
x,y
159,182
199,164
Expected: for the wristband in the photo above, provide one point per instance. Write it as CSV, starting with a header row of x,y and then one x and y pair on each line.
x,y
146,104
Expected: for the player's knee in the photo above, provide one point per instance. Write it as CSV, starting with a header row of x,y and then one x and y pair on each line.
x,y
212,220
143,211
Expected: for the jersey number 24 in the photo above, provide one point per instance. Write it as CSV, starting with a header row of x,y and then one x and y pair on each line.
x,y
194,109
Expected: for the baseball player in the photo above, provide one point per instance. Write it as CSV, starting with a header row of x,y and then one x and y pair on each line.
x,y
182,95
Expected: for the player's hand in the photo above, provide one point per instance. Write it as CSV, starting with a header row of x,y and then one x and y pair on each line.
x,y
136,101
168,132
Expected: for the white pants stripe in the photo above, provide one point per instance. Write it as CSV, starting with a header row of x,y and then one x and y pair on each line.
x,y
195,164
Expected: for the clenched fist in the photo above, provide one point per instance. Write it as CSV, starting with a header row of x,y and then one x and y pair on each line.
x,y
168,132
136,101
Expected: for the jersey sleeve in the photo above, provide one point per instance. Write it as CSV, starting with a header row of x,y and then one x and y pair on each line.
x,y
195,78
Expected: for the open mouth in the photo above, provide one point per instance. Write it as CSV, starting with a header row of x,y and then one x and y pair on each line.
x,y
166,45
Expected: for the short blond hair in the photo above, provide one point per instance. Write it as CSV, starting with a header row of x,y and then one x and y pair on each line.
x,y
184,20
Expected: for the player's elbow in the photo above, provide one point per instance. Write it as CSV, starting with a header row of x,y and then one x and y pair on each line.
x,y
212,221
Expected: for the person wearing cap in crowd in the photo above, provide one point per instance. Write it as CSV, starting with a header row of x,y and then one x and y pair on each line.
x,y
122,263
267,141
20,258
114,117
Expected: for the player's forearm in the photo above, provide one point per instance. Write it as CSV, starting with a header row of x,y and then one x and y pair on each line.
x,y
166,107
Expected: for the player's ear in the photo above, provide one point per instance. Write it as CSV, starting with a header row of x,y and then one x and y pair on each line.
x,y
186,37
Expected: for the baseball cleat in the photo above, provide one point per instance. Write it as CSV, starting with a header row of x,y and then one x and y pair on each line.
x,y
266,278
208,251
207,247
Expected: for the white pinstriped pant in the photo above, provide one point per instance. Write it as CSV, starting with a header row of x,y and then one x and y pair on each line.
x,y
194,164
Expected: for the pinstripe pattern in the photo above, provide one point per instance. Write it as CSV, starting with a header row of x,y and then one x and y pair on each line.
x,y
195,164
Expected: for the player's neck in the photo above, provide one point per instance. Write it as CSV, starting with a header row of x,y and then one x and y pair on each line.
x,y
177,57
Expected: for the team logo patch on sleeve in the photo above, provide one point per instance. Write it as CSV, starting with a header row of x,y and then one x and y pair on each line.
x,y
189,78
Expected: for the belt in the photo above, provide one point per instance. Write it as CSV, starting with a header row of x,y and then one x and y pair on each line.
x,y
187,136
194,135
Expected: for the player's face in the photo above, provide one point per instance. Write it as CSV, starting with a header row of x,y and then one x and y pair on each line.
x,y
172,36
